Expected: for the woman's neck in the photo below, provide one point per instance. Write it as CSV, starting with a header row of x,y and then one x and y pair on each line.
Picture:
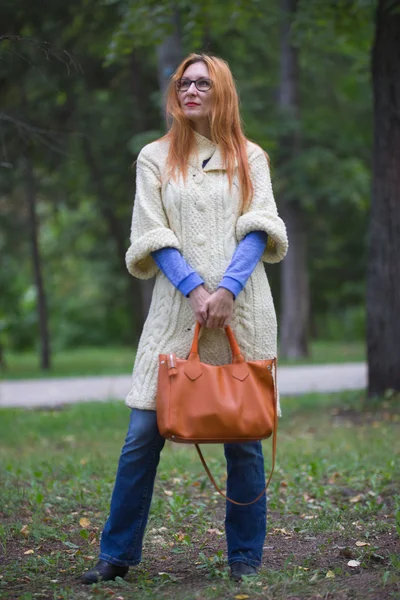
x,y
203,128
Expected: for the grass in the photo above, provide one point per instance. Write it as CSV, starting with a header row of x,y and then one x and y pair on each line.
x,y
334,497
119,360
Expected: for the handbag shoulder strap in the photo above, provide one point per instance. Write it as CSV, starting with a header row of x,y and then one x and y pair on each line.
x,y
270,475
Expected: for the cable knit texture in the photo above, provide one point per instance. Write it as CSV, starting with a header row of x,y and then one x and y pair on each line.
x,y
200,217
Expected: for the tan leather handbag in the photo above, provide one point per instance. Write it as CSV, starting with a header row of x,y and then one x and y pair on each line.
x,y
202,404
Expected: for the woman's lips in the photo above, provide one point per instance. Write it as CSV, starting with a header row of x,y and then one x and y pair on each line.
x,y
192,104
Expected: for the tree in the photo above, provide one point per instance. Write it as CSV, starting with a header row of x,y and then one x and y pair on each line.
x,y
295,297
169,55
383,276
30,183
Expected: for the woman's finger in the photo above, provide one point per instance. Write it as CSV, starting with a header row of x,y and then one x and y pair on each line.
x,y
203,318
210,322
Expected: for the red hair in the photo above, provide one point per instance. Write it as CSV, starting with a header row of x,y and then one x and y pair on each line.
x,y
225,122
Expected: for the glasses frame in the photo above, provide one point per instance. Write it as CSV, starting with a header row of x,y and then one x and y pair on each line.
x,y
195,83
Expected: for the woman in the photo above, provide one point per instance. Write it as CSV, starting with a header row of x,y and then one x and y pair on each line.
x,y
204,219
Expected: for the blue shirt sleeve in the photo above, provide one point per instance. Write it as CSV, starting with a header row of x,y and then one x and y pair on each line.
x,y
171,262
247,254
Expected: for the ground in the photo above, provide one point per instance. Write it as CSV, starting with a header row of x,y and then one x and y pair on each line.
x,y
334,498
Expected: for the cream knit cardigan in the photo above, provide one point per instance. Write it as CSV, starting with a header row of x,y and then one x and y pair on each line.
x,y
201,218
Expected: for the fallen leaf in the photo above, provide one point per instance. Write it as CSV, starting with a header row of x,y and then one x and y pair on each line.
x,y
25,530
330,575
355,499
353,563
217,531
157,539
333,477
29,552
242,597
84,522
83,461
168,492
278,529
360,544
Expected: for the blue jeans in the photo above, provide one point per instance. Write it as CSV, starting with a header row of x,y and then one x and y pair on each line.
x,y
245,526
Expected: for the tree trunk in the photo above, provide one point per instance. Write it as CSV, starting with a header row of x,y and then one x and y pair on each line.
x,y
2,357
295,310
294,287
169,55
383,274
37,264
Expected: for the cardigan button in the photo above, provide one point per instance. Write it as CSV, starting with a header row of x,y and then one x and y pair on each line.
x,y
201,239
201,205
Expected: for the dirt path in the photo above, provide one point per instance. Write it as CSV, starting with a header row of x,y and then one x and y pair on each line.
x,y
303,379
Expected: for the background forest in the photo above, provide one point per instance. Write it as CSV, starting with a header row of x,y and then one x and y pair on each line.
x,y
82,91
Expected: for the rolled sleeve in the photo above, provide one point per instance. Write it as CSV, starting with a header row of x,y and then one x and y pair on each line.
x,y
150,230
262,214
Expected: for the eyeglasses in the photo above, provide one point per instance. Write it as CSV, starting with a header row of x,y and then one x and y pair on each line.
x,y
203,84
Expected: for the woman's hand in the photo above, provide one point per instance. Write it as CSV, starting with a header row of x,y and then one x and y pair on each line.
x,y
219,308
198,298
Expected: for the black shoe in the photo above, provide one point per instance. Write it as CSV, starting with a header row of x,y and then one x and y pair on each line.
x,y
238,569
103,571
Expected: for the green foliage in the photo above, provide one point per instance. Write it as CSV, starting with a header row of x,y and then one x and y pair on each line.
x,y
80,93
144,24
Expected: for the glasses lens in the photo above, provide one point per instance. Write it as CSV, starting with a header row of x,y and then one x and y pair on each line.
x,y
203,84
183,85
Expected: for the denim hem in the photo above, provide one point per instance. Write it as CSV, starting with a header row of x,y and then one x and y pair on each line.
x,y
246,561
117,562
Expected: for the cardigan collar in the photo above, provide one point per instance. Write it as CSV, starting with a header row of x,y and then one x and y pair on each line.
x,y
207,149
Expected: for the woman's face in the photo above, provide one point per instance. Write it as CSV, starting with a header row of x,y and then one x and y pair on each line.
x,y
195,103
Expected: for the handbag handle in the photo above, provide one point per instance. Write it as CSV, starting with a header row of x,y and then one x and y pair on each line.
x,y
273,452
236,354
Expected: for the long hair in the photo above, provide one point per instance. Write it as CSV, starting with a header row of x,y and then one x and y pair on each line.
x,y
225,123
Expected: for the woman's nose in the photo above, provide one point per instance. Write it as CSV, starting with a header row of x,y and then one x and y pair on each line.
x,y
191,89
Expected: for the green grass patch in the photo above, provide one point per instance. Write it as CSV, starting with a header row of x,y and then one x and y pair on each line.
x,y
119,360
70,363
334,498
